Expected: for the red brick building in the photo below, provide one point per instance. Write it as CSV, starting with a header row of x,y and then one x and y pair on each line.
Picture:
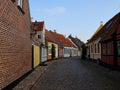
x,y
15,44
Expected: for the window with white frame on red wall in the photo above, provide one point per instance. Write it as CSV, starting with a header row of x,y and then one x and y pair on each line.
x,y
20,2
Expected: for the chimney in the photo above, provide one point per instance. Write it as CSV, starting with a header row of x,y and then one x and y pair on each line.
x,y
32,19
101,22
54,30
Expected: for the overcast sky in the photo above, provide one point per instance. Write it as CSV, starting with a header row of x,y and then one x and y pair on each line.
x,y
80,18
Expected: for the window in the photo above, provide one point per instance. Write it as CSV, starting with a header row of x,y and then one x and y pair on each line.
x,y
95,48
98,48
20,6
49,49
91,48
20,3
66,51
118,47
39,36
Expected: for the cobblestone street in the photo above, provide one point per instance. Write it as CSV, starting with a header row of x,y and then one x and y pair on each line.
x,y
76,74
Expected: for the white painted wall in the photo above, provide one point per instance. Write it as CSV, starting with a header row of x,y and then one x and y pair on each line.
x,y
43,54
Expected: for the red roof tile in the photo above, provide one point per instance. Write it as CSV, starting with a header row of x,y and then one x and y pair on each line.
x,y
63,40
49,36
40,25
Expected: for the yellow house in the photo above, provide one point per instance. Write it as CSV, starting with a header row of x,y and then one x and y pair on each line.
x,y
36,55
52,50
94,46
38,40
52,45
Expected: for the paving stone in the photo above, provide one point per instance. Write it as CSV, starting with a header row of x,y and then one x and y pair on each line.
x,y
71,74
76,74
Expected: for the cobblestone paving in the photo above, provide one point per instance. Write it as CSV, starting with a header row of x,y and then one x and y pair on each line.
x,y
32,78
76,74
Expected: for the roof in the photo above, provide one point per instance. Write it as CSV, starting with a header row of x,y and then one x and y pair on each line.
x,y
62,40
70,43
49,36
96,34
56,35
107,30
40,25
111,27
76,41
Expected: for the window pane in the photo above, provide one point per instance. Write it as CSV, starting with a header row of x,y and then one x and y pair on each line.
x,y
49,49
118,47
20,3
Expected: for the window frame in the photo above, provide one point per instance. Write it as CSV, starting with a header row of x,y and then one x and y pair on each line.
x,y
39,36
20,3
118,48
20,6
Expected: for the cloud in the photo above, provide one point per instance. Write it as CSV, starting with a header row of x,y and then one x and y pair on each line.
x,y
55,11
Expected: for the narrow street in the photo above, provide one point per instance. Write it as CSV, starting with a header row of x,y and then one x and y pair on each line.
x,y
76,74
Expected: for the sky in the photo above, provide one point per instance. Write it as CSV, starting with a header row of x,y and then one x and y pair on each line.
x,y
80,18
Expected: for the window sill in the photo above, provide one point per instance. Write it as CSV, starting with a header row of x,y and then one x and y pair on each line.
x,y
21,9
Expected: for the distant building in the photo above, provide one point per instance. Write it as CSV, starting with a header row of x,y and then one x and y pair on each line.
x,y
57,37
38,40
52,45
78,43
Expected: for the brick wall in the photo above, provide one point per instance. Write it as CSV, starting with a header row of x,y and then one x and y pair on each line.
x,y
15,44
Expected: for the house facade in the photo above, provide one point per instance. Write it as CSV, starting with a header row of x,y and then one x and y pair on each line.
x,y
15,43
78,43
57,38
39,34
52,46
110,42
65,47
36,55
94,46
70,50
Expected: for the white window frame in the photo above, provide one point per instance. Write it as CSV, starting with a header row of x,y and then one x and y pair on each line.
x,y
20,3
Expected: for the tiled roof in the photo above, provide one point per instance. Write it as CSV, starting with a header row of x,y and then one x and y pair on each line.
x,y
63,40
55,35
76,41
40,25
107,30
96,34
111,27
70,43
49,36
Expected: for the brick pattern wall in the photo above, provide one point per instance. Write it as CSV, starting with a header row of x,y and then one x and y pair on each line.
x,y
15,44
